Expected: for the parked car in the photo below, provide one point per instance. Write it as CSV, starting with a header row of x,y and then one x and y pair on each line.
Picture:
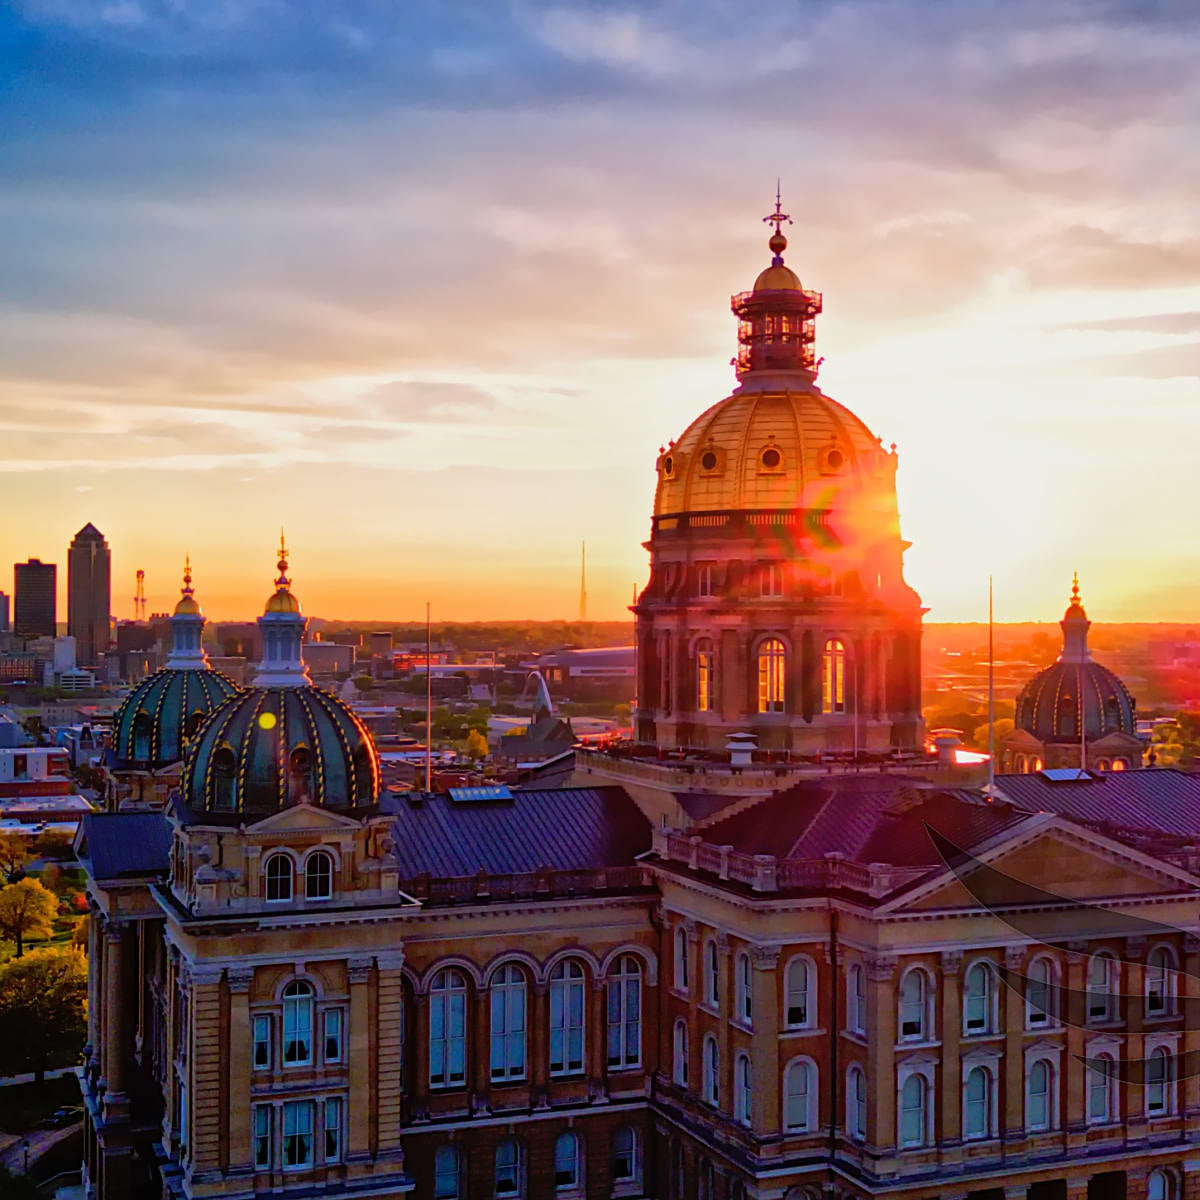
x,y
61,1117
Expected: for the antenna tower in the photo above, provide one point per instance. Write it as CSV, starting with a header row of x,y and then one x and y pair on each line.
x,y
139,598
583,581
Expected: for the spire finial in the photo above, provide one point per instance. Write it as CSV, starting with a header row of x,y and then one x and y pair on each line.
x,y
187,588
1075,588
777,242
283,580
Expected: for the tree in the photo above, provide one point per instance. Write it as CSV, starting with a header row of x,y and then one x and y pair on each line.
x,y
27,910
364,683
477,746
43,1020
14,854
52,877
622,713
1002,728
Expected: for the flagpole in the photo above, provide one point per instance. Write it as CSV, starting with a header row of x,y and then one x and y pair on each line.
x,y
991,698
428,703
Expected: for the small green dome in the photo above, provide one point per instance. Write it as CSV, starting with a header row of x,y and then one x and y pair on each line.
x,y
272,747
156,719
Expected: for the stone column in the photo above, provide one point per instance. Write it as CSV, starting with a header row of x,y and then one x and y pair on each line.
x,y
538,1051
1077,1187
597,1043
391,1050
950,1084
881,1057
419,1058
1188,987
481,1056
240,1067
1013,1008
358,1045
117,1012
206,1107
95,975
1075,1018
765,1055
725,1005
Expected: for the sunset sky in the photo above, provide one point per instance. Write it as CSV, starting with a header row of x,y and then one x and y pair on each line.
x,y
429,284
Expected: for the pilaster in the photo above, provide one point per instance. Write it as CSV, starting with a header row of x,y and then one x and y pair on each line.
x,y
358,1127
238,983
765,1059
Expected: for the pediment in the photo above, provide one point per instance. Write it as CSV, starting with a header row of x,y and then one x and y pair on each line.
x,y
1045,860
1021,739
302,818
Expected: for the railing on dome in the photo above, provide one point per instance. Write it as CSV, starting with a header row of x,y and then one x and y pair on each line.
x,y
775,318
735,520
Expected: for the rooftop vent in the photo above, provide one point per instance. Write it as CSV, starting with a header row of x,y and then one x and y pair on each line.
x,y
479,795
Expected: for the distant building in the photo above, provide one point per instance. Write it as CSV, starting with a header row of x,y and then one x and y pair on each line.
x,y
4,614
328,658
35,598
89,594
1075,713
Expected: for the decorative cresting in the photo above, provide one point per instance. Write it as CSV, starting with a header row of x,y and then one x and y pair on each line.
x,y
167,708
777,603
1049,704
282,741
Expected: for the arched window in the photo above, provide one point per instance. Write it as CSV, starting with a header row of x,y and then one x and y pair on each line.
x,y
772,658
510,1175
318,876
743,1096
745,989
625,1013
914,1001
799,999
712,974
680,1071
913,1107
627,1156
1039,1098
224,780
706,690
1119,764
856,1103
771,579
1100,1090
566,1162
977,1104
447,1029
681,958
977,999
712,1072
1160,1186
1158,1082
856,999
141,737
193,724
298,1024
508,1024
704,579
1160,982
799,1092
300,770
1100,987
568,1003
278,870
833,677
447,1173
1040,994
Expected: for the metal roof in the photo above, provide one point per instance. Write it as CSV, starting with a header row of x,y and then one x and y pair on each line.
x,y
125,844
561,828
1156,800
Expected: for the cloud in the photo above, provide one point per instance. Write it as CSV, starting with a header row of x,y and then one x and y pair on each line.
x,y
412,400
1170,323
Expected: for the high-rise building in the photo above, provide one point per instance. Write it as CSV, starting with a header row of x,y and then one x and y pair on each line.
x,y
3,612
89,593
35,610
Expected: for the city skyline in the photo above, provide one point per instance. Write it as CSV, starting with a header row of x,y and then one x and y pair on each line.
x,y
431,293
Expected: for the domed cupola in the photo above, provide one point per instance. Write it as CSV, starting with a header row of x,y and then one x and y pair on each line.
x,y
776,603
1049,705
156,719
282,741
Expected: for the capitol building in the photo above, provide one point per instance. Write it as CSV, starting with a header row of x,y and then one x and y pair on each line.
x,y
770,949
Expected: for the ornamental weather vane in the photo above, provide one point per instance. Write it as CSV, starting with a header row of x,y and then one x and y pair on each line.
x,y
777,243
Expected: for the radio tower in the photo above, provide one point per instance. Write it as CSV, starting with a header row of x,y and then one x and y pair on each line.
x,y
583,581
139,598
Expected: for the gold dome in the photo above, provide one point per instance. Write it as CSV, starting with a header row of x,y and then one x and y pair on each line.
x,y
187,606
282,602
777,278
766,450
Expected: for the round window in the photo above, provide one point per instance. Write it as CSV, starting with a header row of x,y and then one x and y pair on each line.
x,y
668,465
771,458
709,461
835,458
